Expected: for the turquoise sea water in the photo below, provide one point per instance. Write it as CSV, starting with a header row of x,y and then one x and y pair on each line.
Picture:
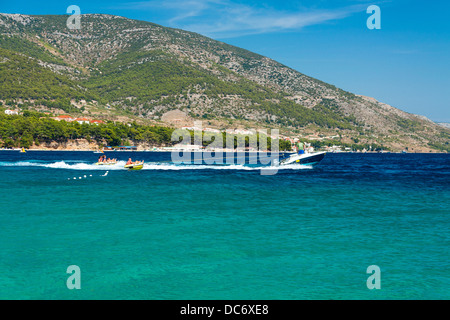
x,y
205,232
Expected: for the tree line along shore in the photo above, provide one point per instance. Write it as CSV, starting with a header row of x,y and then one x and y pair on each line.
x,y
33,129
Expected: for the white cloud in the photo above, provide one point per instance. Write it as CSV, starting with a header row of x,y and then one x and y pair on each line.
x,y
225,18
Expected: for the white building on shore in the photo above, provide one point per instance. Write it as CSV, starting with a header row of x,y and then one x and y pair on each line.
x,y
11,112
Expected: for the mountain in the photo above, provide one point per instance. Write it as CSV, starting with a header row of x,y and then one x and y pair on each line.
x,y
444,124
119,68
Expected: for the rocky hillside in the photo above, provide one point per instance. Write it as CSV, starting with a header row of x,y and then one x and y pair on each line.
x,y
120,67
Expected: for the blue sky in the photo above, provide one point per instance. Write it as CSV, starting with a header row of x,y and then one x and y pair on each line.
x,y
406,63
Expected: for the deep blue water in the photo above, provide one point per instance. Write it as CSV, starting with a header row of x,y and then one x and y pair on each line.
x,y
215,232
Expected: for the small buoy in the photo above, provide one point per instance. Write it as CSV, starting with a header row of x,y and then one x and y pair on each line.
x,y
90,175
85,176
74,178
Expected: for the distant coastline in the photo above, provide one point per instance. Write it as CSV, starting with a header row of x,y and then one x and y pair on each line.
x,y
172,149
35,130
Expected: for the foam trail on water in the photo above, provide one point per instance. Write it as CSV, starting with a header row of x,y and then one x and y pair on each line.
x,y
70,164
85,166
160,166
82,165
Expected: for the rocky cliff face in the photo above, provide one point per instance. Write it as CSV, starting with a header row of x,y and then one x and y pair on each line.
x,y
82,145
147,70
74,145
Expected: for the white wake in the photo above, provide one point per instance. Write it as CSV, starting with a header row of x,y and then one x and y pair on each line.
x,y
72,165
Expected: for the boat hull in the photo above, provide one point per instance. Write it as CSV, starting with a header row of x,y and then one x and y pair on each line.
x,y
134,166
307,159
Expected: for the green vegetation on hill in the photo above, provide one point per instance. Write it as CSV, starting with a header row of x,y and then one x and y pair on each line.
x,y
22,77
440,146
26,47
22,131
146,76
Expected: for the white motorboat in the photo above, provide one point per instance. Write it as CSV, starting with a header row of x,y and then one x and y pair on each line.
x,y
307,159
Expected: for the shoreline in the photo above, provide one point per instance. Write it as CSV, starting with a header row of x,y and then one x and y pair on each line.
x,y
224,151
